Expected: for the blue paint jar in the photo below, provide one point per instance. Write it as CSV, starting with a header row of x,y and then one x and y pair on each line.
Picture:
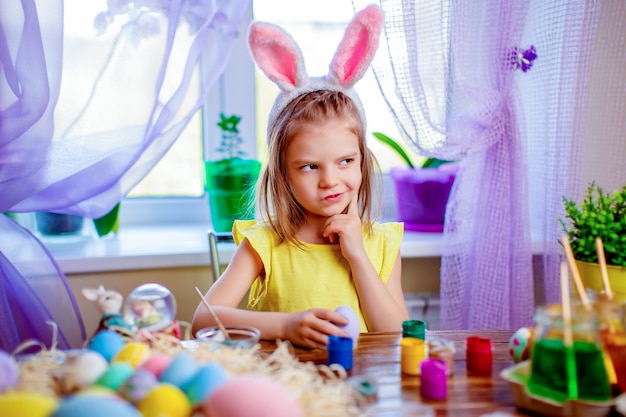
x,y
340,351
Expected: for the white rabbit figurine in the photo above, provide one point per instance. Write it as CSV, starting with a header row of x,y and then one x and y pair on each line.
x,y
109,303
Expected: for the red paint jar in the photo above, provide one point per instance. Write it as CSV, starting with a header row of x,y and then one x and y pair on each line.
x,y
479,355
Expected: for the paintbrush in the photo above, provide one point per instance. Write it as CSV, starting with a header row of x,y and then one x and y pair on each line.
x,y
217,320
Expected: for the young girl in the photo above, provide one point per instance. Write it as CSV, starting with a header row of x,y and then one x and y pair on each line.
x,y
316,247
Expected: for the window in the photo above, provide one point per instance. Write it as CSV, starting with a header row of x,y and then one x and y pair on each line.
x,y
180,172
318,34
245,91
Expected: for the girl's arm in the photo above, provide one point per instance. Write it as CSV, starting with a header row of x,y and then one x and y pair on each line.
x,y
308,328
382,304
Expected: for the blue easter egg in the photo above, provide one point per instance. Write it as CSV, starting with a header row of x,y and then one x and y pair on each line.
x,y
95,406
180,370
206,379
107,343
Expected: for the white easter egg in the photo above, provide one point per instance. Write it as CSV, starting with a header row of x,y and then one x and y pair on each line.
x,y
353,328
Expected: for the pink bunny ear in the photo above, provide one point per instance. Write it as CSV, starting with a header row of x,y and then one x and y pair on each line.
x,y
277,55
358,46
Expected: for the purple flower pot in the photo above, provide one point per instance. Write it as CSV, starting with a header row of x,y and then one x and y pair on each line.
x,y
422,196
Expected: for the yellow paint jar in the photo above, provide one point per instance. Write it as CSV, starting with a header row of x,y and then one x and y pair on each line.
x,y
412,353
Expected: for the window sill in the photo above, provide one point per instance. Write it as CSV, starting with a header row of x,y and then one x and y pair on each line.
x,y
174,246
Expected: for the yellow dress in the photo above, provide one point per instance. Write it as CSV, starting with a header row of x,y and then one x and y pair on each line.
x,y
316,275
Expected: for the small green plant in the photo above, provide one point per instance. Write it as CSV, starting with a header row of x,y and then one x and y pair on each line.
x,y
428,163
602,215
108,223
231,141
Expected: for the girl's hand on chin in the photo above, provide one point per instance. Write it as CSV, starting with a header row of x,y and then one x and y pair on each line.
x,y
347,229
311,328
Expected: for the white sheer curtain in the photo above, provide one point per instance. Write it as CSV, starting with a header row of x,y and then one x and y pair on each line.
x,y
453,76
115,134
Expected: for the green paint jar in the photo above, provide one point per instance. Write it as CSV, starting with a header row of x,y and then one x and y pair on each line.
x,y
414,328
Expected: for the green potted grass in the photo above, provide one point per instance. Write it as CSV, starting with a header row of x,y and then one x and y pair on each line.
x,y
421,192
231,180
601,214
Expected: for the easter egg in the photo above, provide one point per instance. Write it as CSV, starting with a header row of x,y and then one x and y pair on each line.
x,y
180,370
263,396
80,369
164,400
353,328
98,391
107,343
31,404
156,364
94,406
138,385
134,353
115,375
9,372
206,379
520,344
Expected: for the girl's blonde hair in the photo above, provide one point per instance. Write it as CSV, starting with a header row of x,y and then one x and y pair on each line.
x,y
277,204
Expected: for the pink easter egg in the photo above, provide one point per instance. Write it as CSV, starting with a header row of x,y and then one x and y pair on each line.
x,y
156,364
264,397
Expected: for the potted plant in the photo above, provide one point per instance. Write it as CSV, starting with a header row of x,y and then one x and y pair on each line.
x,y
230,181
60,224
54,224
601,214
421,193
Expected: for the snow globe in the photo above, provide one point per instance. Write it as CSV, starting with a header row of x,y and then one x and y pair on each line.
x,y
150,307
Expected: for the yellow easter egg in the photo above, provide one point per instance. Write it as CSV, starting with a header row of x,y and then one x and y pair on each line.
x,y
31,404
98,391
165,400
134,353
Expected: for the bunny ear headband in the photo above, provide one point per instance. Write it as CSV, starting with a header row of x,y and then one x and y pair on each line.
x,y
279,57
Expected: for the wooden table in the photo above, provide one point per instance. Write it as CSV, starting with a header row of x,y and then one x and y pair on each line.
x,y
378,356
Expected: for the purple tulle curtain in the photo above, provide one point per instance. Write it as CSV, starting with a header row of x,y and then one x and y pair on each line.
x,y
82,155
468,81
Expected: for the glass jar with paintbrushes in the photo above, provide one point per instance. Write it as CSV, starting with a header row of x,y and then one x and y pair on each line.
x,y
567,359
611,324
610,312
565,369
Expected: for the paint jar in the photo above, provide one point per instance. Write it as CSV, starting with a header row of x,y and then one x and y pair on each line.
x,y
612,335
412,353
414,328
433,379
340,351
479,355
549,375
442,349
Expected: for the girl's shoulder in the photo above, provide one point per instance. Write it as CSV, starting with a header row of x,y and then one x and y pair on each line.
x,y
251,229
388,230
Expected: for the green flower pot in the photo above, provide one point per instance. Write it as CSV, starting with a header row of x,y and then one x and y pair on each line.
x,y
230,185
